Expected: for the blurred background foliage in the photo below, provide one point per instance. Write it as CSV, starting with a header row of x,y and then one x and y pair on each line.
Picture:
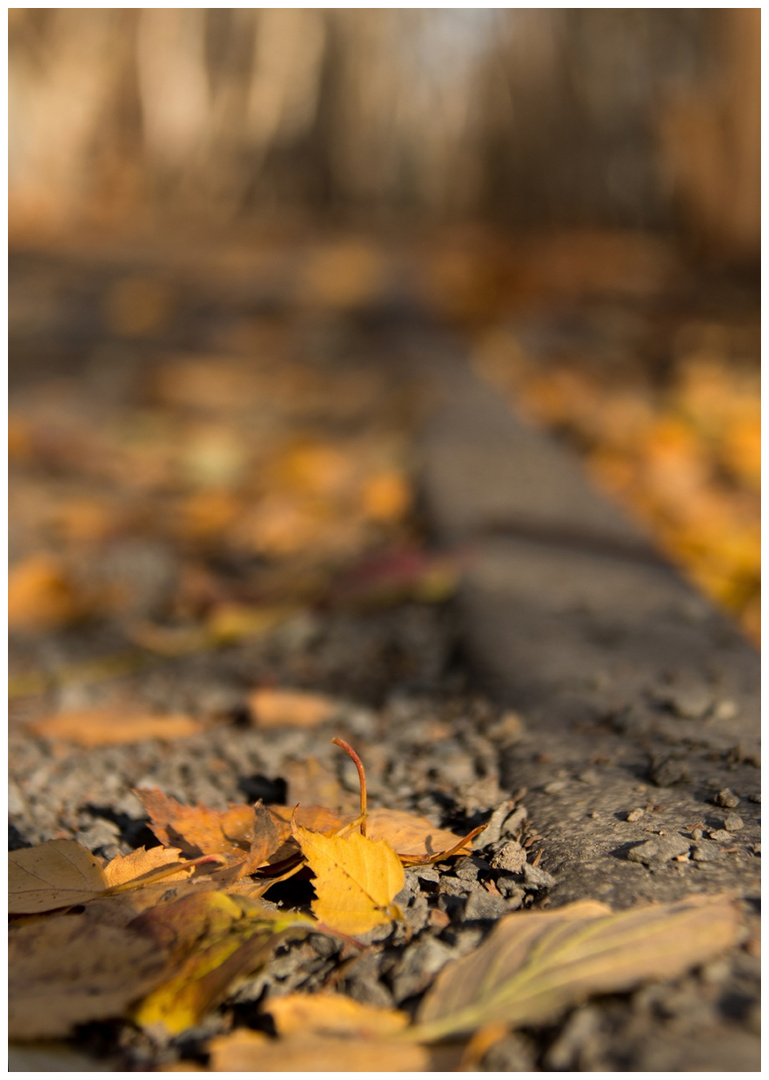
x,y
627,118
577,192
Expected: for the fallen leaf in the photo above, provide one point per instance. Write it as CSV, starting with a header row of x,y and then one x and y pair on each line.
x,y
251,1051
41,595
356,880
214,939
68,969
140,863
409,834
245,834
112,727
536,964
55,874
291,708
332,1014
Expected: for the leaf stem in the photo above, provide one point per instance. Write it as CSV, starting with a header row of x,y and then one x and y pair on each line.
x,y
361,776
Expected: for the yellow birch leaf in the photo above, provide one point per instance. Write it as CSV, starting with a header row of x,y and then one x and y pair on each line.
x,y
356,880
536,964
55,874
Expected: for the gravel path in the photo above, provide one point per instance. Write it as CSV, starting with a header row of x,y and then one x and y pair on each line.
x,y
575,692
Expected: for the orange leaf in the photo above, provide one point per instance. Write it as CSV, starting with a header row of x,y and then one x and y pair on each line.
x,y
246,834
295,708
41,595
112,727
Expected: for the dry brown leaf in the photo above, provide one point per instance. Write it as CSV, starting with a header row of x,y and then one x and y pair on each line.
x,y
247,835
55,874
41,595
113,727
409,834
292,708
68,969
536,964
251,1051
332,1014
356,880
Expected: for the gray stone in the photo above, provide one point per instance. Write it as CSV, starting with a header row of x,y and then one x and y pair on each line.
x,y
483,905
658,850
705,852
420,964
726,797
532,875
511,858
733,823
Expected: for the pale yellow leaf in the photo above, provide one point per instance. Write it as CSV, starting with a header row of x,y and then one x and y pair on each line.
x,y
537,963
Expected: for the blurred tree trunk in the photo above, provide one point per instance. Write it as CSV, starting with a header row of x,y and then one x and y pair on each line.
x,y
535,117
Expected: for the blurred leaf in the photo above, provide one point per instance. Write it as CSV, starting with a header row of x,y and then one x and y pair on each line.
x,y
41,595
251,1051
536,964
55,874
356,880
213,940
332,1014
113,727
291,708
68,969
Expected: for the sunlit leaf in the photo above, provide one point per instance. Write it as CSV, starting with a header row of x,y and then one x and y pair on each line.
x,y
356,880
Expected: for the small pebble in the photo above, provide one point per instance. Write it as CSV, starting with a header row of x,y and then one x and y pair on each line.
x,y
697,834
726,798
658,850
755,797
511,858
482,905
721,836
725,710
635,815
733,823
554,787
705,852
